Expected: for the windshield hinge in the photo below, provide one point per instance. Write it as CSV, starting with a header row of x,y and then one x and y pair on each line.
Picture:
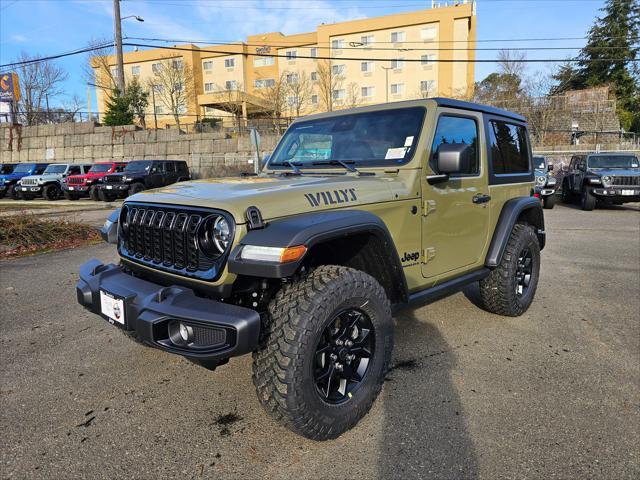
x,y
428,206
428,254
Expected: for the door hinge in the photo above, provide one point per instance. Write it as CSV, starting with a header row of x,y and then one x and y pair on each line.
x,y
428,206
428,254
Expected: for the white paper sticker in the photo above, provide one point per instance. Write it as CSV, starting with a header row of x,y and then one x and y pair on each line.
x,y
408,142
393,153
634,165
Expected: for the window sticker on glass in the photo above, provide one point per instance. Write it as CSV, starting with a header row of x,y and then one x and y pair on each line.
x,y
393,153
408,142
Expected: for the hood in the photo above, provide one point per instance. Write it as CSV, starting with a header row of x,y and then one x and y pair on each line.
x,y
278,196
44,177
615,171
86,176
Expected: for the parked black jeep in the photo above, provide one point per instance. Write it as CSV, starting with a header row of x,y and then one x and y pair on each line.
x,y
141,175
610,178
545,187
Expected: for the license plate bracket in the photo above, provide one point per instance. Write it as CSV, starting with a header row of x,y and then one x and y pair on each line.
x,y
627,193
113,308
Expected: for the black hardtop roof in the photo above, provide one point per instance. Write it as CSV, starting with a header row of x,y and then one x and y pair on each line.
x,y
611,154
451,103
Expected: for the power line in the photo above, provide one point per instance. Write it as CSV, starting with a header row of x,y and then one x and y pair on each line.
x,y
55,57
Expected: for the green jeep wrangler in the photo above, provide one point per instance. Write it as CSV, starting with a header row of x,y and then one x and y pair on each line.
x,y
355,214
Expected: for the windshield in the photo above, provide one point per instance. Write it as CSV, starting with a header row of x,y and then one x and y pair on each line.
x,y
540,163
100,168
23,168
6,168
137,166
55,169
365,139
613,161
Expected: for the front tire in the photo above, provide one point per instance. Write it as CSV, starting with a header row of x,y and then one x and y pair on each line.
x,y
587,200
510,287
327,350
105,197
567,195
51,192
94,194
13,193
135,188
549,201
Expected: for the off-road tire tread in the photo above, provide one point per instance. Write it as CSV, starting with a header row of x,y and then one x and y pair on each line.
x,y
46,192
274,362
495,290
587,200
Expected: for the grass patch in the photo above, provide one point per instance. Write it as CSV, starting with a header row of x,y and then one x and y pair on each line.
x,y
28,234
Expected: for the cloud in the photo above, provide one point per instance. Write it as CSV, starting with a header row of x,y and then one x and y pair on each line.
x,y
18,38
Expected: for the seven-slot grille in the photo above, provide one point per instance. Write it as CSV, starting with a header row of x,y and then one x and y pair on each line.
x,y
626,181
29,181
164,237
75,181
113,178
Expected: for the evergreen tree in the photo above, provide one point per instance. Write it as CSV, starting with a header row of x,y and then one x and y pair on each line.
x,y
119,110
138,100
613,36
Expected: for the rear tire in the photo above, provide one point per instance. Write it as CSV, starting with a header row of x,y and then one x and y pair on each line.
x,y
13,193
510,287
549,201
299,378
587,200
51,192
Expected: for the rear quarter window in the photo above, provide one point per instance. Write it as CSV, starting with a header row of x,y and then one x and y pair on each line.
x,y
509,148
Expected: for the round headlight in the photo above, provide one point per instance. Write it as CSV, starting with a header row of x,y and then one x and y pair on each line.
x,y
541,180
606,180
221,234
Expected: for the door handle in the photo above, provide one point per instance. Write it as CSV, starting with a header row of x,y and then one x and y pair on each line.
x,y
481,198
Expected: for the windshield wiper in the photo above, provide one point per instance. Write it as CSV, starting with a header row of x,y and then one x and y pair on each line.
x,y
338,162
288,163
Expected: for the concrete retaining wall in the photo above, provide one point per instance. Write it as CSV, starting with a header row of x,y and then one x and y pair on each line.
x,y
85,142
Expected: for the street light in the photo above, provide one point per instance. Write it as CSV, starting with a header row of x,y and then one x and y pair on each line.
x,y
117,28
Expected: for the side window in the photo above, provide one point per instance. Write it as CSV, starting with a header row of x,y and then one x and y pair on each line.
x,y
509,150
182,167
39,169
460,130
156,167
169,167
74,170
119,168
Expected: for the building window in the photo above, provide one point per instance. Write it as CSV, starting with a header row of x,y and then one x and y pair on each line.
x,y
291,55
209,110
314,76
397,37
209,87
397,64
114,72
366,67
367,92
264,83
314,52
291,100
292,78
156,67
177,64
177,87
429,33
458,130
208,65
231,85
337,44
135,70
158,109
229,62
339,94
182,109
397,88
366,40
338,69
428,59
263,61
314,99
428,86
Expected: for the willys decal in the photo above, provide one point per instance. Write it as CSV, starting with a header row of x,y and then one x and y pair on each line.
x,y
332,197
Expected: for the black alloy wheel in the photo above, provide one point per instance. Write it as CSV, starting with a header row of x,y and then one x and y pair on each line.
x,y
524,270
343,355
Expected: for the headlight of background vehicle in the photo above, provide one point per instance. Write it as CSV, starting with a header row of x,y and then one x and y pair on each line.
x,y
215,235
606,180
541,181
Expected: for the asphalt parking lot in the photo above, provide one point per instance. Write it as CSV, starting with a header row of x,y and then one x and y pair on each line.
x,y
552,394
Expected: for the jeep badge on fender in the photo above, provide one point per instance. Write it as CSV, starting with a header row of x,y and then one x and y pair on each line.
x,y
302,264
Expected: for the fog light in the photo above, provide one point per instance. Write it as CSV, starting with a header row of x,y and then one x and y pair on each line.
x,y
180,334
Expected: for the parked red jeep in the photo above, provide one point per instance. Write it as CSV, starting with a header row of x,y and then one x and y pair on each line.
x,y
77,186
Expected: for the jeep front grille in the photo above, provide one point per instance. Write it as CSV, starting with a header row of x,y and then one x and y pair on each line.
x,y
167,238
29,181
112,179
75,181
626,180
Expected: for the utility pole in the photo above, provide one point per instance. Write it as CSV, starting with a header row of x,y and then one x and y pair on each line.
x,y
117,28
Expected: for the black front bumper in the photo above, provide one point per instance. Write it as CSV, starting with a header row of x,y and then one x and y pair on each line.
x,y
618,194
149,308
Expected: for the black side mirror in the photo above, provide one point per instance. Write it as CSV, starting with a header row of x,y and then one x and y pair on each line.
x,y
550,167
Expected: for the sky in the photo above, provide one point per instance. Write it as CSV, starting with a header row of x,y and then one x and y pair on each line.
x,y
48,27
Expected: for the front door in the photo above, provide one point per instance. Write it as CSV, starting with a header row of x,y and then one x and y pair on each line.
x,y
455,216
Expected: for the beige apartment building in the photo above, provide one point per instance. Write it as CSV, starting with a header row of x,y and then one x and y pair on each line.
x,y
424,53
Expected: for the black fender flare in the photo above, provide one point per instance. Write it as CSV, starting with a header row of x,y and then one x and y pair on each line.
x,y
311,229
511,211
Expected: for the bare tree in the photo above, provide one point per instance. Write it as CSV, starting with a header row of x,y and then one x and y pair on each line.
x,y
97,69
174,86
353,97
72,108
274,96
299,91
511,62
233,98
40,83
328,83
